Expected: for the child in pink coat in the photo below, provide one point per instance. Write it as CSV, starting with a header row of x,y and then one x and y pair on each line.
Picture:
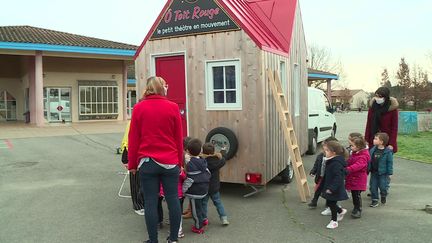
x,y
182,178
356,179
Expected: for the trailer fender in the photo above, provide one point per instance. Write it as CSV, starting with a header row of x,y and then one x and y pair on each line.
x,y
223,137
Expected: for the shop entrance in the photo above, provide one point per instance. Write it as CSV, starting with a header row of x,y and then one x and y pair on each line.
x,y
57,104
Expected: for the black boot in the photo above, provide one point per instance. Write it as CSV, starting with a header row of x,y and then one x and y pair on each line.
x,y
312,204
356,213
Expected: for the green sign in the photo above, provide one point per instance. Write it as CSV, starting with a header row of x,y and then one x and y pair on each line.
x,y
191,17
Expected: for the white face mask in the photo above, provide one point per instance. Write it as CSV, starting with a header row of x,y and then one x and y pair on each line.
x,y
379,101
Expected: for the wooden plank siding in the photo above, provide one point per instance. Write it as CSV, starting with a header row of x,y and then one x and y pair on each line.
x,y
248,123
262,147
277,156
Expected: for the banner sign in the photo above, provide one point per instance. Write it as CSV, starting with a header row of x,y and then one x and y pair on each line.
x,y
191,17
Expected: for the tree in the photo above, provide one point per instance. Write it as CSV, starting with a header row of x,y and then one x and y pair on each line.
x,y
385,80
320,58
404,82
420,90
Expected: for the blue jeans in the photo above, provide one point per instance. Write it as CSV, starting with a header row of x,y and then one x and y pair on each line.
x,y
217,202
380,182
151,175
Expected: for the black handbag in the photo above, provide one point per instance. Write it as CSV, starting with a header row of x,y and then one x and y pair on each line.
x,y
124,157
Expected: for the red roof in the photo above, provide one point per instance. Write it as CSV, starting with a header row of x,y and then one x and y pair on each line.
x,y
269,23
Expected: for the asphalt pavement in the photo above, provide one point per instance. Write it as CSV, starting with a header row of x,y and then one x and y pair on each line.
x,y
64,189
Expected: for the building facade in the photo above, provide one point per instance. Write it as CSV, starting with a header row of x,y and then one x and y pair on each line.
x,y
49,76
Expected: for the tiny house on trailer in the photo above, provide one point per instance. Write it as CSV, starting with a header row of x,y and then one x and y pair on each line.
x,y
214,55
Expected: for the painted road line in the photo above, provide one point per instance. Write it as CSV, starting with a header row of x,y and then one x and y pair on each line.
x,y
9,143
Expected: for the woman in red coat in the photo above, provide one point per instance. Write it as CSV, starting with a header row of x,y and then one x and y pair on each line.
x,y
156,152
356,179
382,117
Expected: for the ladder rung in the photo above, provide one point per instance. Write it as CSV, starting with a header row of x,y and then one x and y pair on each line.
x,y
281,94
303,181
294,146
299,164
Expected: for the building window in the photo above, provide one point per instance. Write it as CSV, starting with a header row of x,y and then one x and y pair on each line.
x,y
98,102
7,106
131,101
223,81
297,89
283,78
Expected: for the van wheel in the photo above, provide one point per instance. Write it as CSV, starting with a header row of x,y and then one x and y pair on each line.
x,y
313,144
333,134
223,137
287,174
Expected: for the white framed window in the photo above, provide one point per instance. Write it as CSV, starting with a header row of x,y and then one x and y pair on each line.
x,y
98,102
8,107
283,78
223,83
131,101
297,90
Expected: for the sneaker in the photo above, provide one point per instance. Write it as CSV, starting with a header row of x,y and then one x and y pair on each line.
x,y
224,220
205,222
356,213
171,241
326,212
312,205
332,225
374,204
181,234
341,215
196,230
383,200
140,212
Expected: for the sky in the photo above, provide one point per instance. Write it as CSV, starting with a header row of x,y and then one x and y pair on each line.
x,y
365,36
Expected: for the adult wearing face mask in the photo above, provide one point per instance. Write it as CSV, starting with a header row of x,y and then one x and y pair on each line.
x,y
382,117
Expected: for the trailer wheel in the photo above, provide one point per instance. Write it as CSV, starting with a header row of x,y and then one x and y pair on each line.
x,y
223,137
287,174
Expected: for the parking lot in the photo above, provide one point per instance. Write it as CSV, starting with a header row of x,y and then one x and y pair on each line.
x,y
64,189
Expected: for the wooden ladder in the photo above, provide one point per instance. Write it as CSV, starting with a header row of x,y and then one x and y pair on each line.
x,y
289,134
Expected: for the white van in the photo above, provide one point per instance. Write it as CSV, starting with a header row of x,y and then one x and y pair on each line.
x,y
321,121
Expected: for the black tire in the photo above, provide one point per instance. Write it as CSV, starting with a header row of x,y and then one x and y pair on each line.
x,y
287,174
334,131
222,136
313,144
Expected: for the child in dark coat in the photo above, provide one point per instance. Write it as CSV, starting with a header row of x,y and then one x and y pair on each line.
x,y
196,184
381,168
215,161
318,172
333,184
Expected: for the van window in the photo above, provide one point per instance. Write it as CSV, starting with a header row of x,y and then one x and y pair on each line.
x,y
327,103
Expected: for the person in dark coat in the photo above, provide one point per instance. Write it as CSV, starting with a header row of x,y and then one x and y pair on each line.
x,y
318,172
215,161
381,168
333,182
196,184
382,117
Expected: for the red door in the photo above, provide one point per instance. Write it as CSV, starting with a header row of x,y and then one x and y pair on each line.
x,y
172,69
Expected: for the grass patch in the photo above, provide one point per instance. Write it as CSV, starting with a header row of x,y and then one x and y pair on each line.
x,y
416,147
